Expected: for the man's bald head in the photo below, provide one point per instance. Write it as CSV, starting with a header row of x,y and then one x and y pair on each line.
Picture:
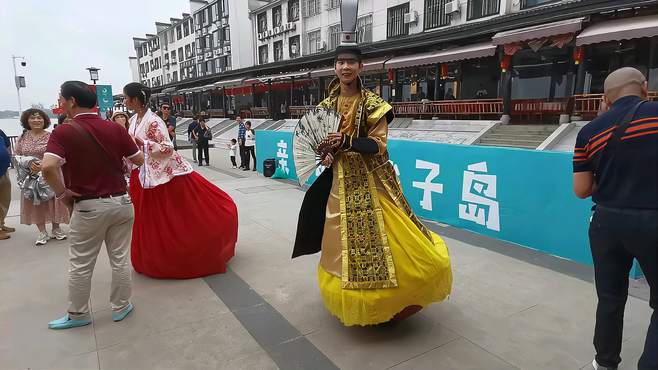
x,y
623,82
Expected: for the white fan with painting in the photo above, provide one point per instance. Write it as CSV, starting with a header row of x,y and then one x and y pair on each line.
x,y
310,140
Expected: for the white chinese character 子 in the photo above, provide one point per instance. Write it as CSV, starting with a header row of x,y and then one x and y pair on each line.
x,y
428,186
479,194
282,154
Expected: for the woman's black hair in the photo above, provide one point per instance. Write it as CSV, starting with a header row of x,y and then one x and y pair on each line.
x,y
79,90
29,112
234,141
139,91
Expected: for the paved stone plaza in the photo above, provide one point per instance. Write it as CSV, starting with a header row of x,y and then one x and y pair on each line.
x,y
511,308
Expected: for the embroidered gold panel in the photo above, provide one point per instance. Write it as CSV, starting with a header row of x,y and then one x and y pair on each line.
x,y
367,262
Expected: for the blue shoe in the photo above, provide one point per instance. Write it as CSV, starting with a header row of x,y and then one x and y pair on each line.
x,y
118,316
66,323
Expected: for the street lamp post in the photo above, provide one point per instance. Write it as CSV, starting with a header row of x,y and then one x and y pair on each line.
x,y
19,80
93,74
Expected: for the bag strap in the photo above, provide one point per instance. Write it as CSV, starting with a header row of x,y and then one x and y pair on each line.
x,y
617,134
99,148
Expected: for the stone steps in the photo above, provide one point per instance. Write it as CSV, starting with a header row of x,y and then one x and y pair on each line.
x,y
518,136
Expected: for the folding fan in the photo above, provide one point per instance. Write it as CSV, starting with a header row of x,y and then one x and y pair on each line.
x,y
310,142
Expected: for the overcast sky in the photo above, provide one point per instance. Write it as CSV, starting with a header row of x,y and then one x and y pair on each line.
x,y
61,38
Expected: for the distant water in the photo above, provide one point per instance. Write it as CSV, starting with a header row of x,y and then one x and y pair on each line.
x,y
12,126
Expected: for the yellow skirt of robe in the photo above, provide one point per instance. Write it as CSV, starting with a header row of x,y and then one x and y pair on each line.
x,y
422,269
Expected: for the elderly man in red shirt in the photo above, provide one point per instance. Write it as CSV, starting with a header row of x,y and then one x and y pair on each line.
x,y
89,151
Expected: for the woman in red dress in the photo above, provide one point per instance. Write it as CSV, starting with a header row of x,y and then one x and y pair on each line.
x,y
171,202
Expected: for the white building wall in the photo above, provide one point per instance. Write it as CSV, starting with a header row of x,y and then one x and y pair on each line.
x,y
284,37
134,68
241,40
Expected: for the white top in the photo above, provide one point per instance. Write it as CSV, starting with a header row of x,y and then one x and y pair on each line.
x,y
250,139
233,150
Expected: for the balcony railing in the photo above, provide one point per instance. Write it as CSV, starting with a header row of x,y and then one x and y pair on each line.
x,y
296,111
587,106
260,112
452,108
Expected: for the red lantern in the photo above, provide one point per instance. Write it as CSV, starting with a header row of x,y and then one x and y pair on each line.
x,y
505,63
444,70
391,74
578,55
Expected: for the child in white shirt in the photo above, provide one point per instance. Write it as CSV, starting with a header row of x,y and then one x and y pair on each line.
x,y
233,148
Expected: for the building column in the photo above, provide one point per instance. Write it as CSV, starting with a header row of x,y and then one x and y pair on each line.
x,y
437,82
253,95
506,90
270,98
292,89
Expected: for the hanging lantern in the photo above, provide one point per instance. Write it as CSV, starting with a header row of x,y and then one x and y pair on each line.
x,y
578,55
391,74
444,70
505,63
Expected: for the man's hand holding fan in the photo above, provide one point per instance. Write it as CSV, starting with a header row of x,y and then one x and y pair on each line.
x,y
315,141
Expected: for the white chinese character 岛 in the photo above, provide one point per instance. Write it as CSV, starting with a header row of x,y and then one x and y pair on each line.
x,y
282,154
428,186
479,193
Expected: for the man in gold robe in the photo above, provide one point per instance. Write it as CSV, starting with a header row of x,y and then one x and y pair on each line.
x,y
378,262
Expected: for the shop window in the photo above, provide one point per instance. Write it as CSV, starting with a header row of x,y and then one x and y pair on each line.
x,y
482,8
364,29
278,51
277,16
262,54
293,10
396,26
333,35
435,14
525,4
294,44
262,22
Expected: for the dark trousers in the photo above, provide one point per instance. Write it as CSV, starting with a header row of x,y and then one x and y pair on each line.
x,y
233,161
249,152
242,156
617,236
204,152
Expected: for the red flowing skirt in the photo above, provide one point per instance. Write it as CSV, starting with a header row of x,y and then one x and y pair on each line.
x,y
186,228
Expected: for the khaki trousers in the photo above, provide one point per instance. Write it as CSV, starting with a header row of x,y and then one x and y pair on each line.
x,y
93,222
5,197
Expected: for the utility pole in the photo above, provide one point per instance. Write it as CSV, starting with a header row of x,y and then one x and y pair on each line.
x,y
19,80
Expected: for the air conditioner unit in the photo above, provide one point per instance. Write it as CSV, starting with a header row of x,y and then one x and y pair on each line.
x,y
200,57
209,54
225,21
452,7
411,17
322,45
218,52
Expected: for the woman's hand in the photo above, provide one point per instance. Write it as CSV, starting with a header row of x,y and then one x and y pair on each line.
x,y
328,160
35,167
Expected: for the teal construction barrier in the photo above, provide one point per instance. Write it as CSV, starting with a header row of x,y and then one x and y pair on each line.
x,y
517,195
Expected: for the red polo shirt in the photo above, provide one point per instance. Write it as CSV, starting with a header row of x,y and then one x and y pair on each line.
x,y
86,171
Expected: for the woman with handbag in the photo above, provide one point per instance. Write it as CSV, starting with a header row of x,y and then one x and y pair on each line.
x,y
167,185
203,135
33,144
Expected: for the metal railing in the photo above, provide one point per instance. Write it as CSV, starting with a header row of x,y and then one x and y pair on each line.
x,y
296,111
587,106
452,108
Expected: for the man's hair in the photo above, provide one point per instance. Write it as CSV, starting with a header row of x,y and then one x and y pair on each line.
x,y
79,90
352,51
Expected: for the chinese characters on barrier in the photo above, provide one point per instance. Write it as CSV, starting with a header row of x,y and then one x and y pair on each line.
x,y
428,186
479,197
282,155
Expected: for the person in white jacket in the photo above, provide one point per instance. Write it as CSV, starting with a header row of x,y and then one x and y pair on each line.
x,y
249,147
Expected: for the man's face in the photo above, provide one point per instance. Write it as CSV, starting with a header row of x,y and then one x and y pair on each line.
x,y
165,110
238,119
347,68
66,105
